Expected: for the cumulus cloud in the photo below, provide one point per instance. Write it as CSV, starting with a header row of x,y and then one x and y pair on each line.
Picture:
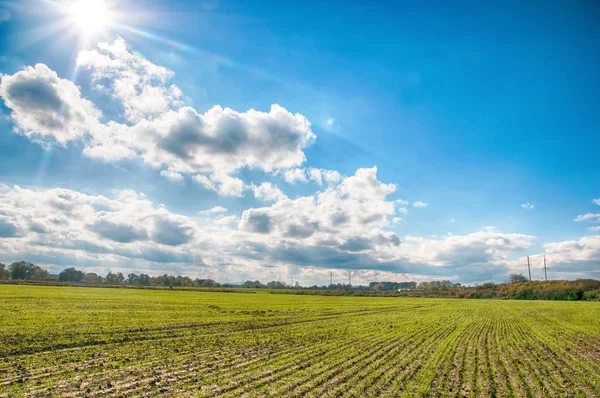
x,y
332,176
119,232
141,86
126,225
318,176
171,230
340,216
575,257
331,229
223,184
528,206
46,107
419,204
483,247
315,175
158,128
365,185
268,192
295,175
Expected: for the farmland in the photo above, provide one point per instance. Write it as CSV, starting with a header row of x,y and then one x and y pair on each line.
x,y
66,341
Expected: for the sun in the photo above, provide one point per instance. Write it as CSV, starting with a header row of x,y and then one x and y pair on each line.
x,y
90,16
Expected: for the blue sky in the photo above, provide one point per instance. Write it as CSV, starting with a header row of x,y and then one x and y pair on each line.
x,y
474,110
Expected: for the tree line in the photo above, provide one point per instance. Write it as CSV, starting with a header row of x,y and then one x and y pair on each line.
x,y
23,270
517,287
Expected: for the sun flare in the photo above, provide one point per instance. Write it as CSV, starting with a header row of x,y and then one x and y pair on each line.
x,y
90,16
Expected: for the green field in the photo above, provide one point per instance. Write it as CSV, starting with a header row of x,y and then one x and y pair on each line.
x,y
65,341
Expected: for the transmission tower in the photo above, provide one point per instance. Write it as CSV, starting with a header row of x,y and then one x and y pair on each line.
x,y
545,269
529,268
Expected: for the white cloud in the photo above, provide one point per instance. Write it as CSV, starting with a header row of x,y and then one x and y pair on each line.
x,y
596,201
419,204
574,256
172,175
268,192
315,175
364,185
140,85
337,217
293,175
332,176
528,206
229,186
326,231
218,209
330,121
159,130
61,218
223,184
591,217
595,228
47,108
318,175
483,247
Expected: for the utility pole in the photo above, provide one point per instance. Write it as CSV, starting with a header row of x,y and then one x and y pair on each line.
x,y
529,268
545,269
349,278
330,278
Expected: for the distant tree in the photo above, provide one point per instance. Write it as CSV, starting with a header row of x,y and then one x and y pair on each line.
x,y
92,277
71,275
132,279
379,287
114,279
26,270
517,278
253,284
2,271
143,279
276,285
